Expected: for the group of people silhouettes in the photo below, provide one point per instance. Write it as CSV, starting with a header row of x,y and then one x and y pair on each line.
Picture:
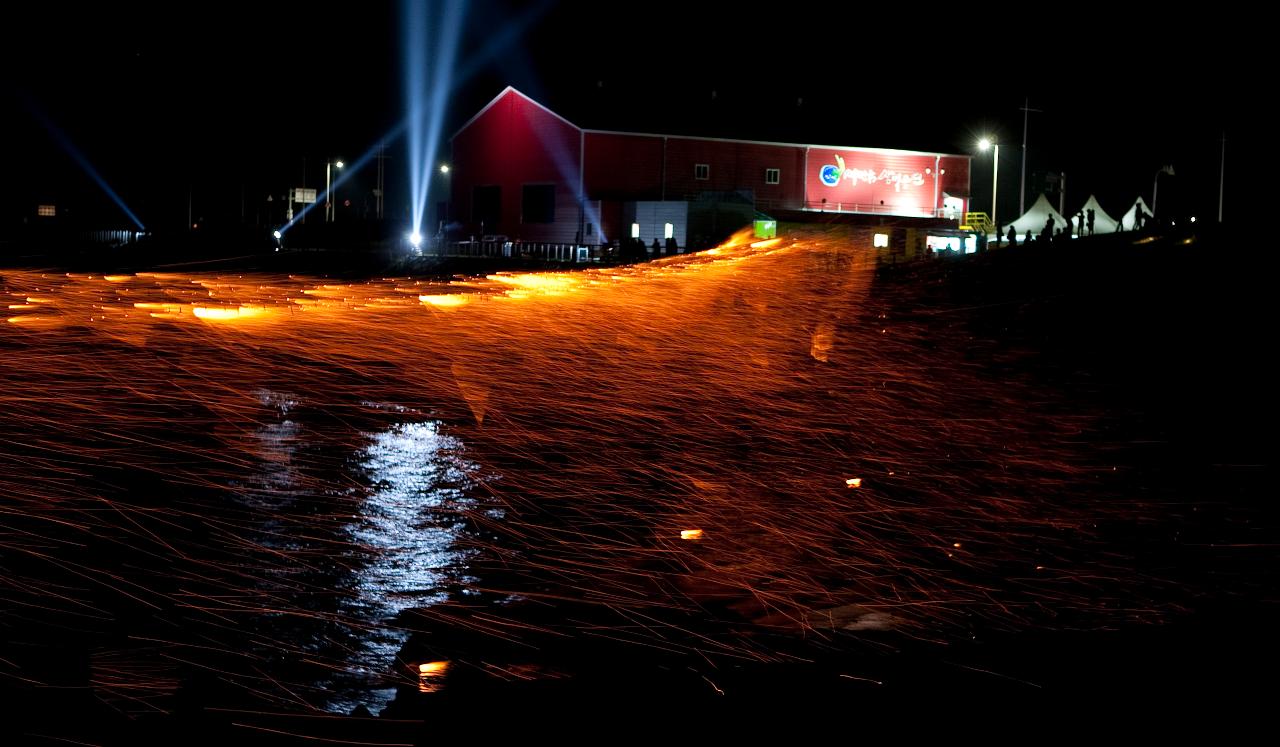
x,y
1083,223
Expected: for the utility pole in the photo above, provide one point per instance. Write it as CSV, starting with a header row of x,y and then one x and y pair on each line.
x,y
304,185
378,193
1222,173
1022,194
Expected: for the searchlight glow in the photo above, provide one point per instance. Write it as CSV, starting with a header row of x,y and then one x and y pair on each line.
x,y
276,234
415,239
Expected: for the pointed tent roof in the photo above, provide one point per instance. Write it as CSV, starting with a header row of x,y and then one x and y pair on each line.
x,y
1126,220
1102,223
1033,220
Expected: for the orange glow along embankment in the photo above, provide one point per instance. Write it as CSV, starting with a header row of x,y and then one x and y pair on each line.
x,y
746,428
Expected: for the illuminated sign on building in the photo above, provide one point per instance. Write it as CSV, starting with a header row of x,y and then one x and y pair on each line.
x,y
46,211
872,182
831,176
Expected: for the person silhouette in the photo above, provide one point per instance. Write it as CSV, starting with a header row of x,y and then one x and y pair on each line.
x,y
1089,218
1013,237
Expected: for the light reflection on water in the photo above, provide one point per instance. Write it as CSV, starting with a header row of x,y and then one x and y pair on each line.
x,y
408,531
397,525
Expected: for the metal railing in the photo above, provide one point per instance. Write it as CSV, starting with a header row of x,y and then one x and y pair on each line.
x,y
978,221
540,251
877,209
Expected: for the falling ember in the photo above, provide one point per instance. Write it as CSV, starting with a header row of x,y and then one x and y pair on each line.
x,y
690,534
854,482
546,284
824,339
431,675
216,314
445,300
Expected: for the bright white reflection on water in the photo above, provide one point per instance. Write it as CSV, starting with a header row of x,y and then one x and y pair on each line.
x,y
407,528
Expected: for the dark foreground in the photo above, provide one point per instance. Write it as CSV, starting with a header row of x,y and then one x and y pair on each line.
x,y
1083,430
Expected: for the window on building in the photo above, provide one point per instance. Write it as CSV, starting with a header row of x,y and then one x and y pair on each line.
x,y
46,211
668,230
702,171
486,207
635,230
538,203
880,240
772,176
591,230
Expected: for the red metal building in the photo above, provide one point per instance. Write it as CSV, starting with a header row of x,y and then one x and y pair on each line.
x,y
522,171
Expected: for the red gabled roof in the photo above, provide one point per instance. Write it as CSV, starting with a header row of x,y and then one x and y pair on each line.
x,y
509,91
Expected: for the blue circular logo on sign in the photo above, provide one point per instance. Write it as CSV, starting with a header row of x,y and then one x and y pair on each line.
x,y
830,175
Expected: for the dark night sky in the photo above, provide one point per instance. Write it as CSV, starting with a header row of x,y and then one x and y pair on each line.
x,y
231,97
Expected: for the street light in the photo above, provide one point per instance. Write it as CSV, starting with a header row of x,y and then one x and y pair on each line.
x,y
443,218
1166,170
330,209
984,144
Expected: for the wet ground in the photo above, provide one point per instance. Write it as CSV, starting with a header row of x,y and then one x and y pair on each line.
x,y
764,477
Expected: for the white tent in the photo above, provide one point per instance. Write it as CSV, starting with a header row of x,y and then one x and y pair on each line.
x,y
1032,222
1102,223
1126,220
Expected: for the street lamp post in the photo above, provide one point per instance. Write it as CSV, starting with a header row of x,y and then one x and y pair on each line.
x,y
984,144
330,209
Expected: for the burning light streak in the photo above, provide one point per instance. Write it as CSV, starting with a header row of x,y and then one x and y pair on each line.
x,y
217,313
431,676
253,486
448,300
690,534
